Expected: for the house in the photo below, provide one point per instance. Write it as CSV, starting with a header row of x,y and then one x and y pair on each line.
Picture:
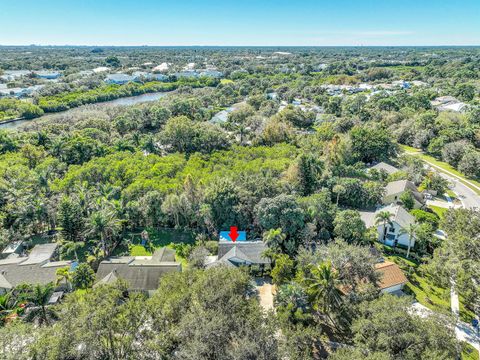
x,y
382,166
142,273
141,75
12,75
240,253
212,73
395,189
36,268
48,75
119,78
392,279
163,67
449,103
100,69
394,233
187,74
15,247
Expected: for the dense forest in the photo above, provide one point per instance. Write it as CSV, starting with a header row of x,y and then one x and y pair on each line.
x,y
289,165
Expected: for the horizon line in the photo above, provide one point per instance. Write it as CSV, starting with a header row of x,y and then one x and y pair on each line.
x,y
224,45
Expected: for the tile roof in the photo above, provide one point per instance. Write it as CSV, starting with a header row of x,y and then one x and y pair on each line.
x,y
391,274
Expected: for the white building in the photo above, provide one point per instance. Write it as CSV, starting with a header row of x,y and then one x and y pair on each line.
x,y
394,233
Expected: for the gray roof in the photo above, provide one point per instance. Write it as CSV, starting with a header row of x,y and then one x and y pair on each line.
x,y
119,78
399,215
40,254
142,273
33,269
249,252
4,283
164,254
400,186
389,169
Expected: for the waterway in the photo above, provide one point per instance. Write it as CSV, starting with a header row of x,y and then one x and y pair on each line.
x,y
126,101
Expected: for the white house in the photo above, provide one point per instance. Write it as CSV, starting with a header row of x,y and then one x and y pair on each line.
x,y
394,233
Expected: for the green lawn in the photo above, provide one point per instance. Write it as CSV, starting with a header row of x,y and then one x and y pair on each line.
x,y
425,291
442,165
469,352
438,210
159,238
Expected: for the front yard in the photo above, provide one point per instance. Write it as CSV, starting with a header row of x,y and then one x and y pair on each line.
x,y
425,291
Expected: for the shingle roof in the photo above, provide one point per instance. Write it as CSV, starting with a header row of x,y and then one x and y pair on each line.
x,y
4,283
164,254
399,215
391,274
399,186
389,169
250,251
34,269
40,254
142,273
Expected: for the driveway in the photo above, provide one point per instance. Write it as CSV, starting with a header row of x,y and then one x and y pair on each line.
x,y
265,291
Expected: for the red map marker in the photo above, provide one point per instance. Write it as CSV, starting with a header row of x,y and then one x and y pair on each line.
x,y
233,233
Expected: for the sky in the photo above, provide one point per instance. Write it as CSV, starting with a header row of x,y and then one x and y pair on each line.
x,y
240,23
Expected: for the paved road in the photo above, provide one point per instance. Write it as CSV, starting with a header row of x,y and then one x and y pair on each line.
x,y
470,200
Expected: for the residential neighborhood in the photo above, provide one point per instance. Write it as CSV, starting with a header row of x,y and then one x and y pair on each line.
x,y
248,181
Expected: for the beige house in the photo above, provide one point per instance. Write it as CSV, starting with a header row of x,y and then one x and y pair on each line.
x,y
395,189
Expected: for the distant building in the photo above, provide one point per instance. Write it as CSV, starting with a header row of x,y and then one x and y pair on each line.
x,y
449,103
100,69
48,75
187,74
119,78
163,67
212,73
12,75
36,268
142,273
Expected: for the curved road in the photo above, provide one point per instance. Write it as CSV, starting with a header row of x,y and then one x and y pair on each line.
x,y
470,200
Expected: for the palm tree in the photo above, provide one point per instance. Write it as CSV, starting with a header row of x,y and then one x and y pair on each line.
x,y
411,230
105,224
384,217
339,190
323,287
64,275
8,305
274,238
72,247
39,312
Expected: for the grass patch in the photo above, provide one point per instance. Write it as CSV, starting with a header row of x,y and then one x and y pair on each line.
x,y
226,81
442,165
422,288
159,238
440,211
469,352
451,194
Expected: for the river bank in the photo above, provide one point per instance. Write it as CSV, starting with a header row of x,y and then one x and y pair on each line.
x,y
13,124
